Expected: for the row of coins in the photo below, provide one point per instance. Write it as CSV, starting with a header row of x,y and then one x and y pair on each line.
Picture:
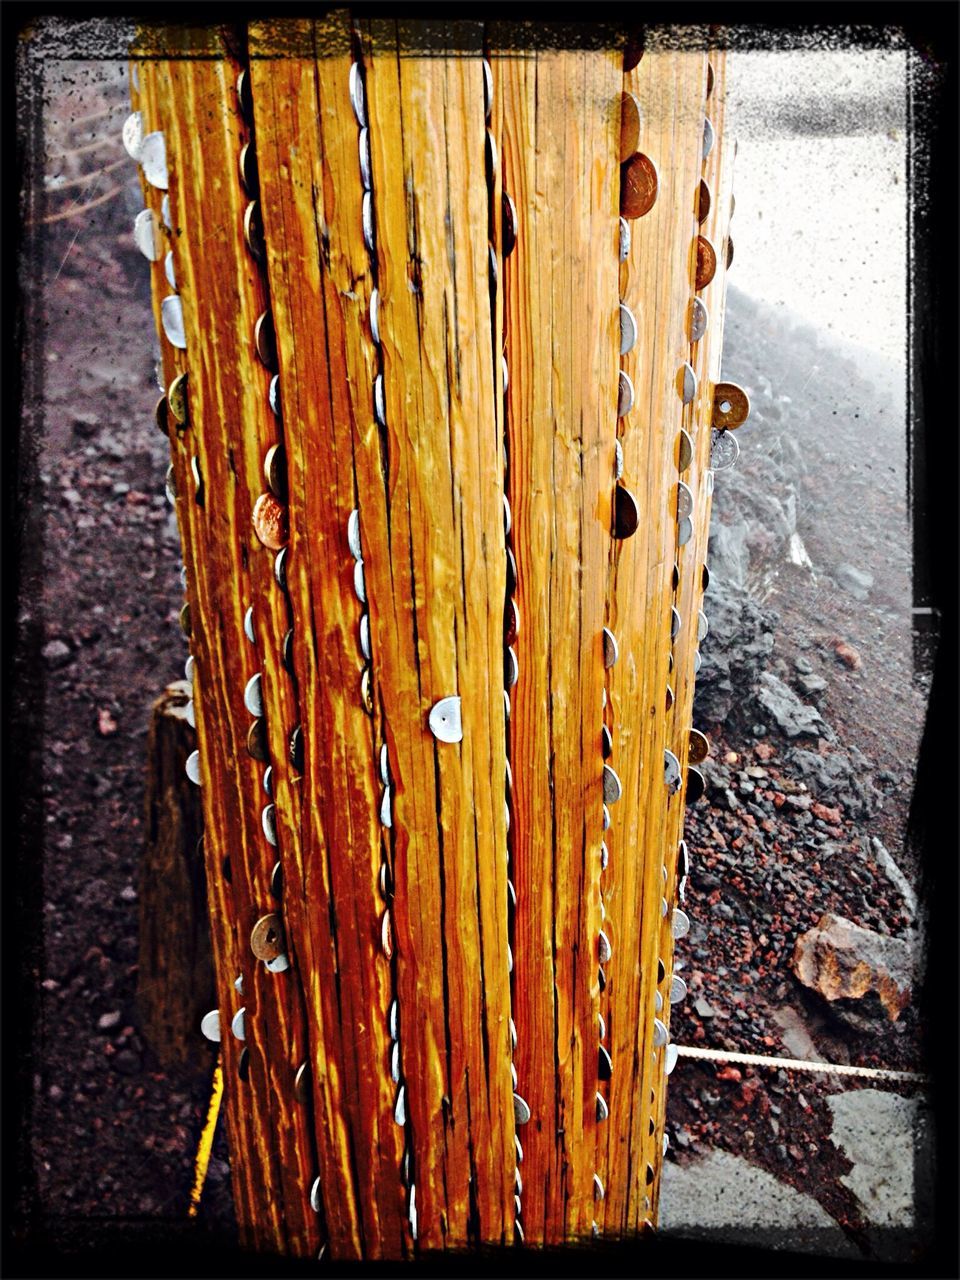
x,y
511,617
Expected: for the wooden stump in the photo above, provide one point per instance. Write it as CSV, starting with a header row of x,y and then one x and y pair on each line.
x,y
175,981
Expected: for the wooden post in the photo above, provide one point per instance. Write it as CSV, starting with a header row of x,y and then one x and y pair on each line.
x,y
439,399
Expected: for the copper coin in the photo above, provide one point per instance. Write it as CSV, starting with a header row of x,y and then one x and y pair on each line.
x,y
731,406
161,415
684,450
185,619
274,472
696,785
270,522
244,94
709,79
698,747
626,513
265,340
253,229
704,200
257,740
248,168
177,399
639,186
729,252
706,262
629,125
508,235
266,937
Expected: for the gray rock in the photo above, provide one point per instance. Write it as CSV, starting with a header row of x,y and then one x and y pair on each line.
x,y
837,775
786,711
702,1008
810,684
56,654
878,1132
729,554
855,581
735,651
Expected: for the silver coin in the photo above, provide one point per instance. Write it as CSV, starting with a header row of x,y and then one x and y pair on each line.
x,y
393,1020
412,1212
493,159
657,997
165,216
601,1026
684,500
682,889
494,270
189,667
237,1025
612,789
375,315
353,534
678,989
624,239
445,720
248,630
315,1195
169,270
680,924
366,170
511,667
611,650
684,531
358,98
153,160
666,1143
268,821
597,1187
268,781
359,585
699,319
660,1034
189,714
365,636
379,401
509,958
170,485
132,134
193,767
400,1109
279,964
703,626
513,1075
606,818
513,1034
617,459
210,1025
507,517
671,772
395,1062
197,478
273,395
697,661
367,216
487,88
670,1059
604,950
628,329
147,235
708,483
724,450
663,910
384,766
675,622
521,1112
506,372
708,137
280,568
624,395
604,856
688,383
603,1110
171,316
517,1182
386,808
506,704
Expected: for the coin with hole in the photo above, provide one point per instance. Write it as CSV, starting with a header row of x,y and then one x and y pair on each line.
x,y
266,937
731,406
445,720
624,245
639,185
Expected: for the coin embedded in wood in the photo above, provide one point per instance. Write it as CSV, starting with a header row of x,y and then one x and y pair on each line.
x,y
626,513
628,329
257,741
266,937
629,125
696,785
697,660
280,568
386,936
639,186
253,230
511,623
606,743
237,1025
170,485
660,1034
671,772
708,137
366,691
598,1185
193,767
358,98
268,821
185,622
445,720
731,406
301,1082
270,522
366,217
161,415
253,695
487,88
247,163
275,472
729,254
624,239
703,626
604,863
706,262
617,459
705,577
684,530
699,318
724,450
295,747
177,399
612,788
171,317
704,200
276,880
604,1072
698,747
386,808
687,383
669,698
684,500
602,1109
680,924
678,989
492,158
365,636
265,340
508,235
147,236
611,650
675,622
153,160
210,1025
366,166
132,134
633,51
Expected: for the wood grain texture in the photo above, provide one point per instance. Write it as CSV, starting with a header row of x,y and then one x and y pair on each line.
x,y
560,308
655,284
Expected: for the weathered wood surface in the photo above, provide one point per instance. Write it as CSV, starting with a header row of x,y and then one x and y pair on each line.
x,y
175,981
428,483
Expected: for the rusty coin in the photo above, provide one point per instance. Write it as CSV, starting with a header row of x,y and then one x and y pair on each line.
x,y
731,406
270,522
706,262
639,186
266,937
629,125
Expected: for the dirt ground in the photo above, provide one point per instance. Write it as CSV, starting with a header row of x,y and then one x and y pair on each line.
x,y
112,1135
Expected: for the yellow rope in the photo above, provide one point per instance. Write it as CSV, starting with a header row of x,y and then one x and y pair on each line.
x,y
202,1162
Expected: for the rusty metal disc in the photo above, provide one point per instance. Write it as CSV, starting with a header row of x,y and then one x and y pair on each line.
x,y
270,522
706,262
629,125
639,185
266,937
731,406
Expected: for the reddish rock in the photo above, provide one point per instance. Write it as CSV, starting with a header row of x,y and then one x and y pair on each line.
x,y
730,1073
848,655
842,961
827,814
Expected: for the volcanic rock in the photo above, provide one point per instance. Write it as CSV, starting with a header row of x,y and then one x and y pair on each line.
x,y
842,961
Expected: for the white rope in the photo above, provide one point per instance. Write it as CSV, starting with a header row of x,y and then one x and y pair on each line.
x,y
798,1064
